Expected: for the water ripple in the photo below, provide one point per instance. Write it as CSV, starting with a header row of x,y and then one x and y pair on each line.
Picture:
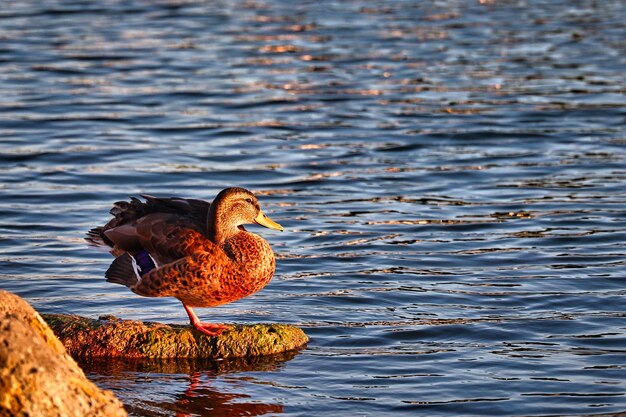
x,y
450,176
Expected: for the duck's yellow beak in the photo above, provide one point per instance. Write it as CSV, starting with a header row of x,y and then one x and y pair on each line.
x,y
263,220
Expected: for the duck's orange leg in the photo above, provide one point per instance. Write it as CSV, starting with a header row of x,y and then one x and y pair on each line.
x,y
210,329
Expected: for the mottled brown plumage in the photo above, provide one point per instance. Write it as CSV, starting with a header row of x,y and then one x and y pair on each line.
x,y
195,251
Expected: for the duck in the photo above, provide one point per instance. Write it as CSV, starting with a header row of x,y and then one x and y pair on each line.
x,y
194,250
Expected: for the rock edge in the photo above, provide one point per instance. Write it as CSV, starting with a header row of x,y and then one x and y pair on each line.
x,y
37,375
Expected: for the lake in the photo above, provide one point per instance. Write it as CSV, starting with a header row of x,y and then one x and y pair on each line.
x,y
451,176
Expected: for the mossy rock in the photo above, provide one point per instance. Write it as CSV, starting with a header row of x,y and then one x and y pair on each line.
x,y
108,336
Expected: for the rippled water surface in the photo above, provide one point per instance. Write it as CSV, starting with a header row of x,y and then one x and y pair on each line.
x,y
451,176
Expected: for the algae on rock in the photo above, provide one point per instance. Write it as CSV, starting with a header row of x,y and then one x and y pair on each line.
x,y
111,337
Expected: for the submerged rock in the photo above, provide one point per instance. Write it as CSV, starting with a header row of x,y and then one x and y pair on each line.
x,y
88,338
37,376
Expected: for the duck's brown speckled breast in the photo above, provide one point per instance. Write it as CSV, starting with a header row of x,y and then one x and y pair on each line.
x,y
256,258
249,268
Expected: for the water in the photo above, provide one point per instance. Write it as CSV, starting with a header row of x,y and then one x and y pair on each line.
x,y
451,176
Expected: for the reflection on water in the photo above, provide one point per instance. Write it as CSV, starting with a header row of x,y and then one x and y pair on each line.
x,y
450,176
196,387
200,398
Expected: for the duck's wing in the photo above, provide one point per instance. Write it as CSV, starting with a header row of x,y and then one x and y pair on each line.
x,y
153,256
205,278
166,237
190,212
195,210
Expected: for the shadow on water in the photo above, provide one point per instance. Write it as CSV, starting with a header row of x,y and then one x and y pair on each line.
x,y
198,387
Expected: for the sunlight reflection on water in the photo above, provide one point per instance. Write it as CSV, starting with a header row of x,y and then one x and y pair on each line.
x,y
450,176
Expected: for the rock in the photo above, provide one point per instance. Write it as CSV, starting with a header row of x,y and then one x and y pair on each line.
x,y
37,376
88,338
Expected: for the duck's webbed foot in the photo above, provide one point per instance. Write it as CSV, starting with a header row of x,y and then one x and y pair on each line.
x,y
210,329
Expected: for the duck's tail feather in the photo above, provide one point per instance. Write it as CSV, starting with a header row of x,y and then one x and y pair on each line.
x,y
123,270
123,212
96,237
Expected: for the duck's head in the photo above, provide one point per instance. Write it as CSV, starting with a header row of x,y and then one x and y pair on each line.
x,y
234,207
